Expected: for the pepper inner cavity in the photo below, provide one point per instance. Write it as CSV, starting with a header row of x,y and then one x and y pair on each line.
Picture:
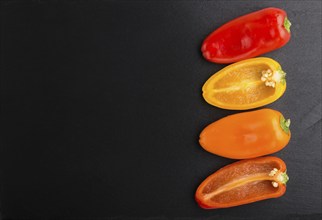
x,y
242,85
273,176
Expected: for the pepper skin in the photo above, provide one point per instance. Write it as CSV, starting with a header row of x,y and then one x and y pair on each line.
x,y
248,36
243,182
247,135
246,84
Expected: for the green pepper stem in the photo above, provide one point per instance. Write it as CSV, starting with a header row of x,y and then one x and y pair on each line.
x,y
287,25
285,124
280,76
283,178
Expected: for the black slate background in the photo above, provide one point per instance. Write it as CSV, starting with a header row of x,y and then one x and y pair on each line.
x,y
101,109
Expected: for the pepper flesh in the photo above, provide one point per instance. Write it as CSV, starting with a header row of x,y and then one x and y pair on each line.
x,y
246,84
243,182
247,135
248,36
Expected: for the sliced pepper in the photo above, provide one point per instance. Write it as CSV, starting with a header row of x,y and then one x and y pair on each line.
x,y
243,182
247,134
246,84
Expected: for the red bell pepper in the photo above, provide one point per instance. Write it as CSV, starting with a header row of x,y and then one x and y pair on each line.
x,y
248,36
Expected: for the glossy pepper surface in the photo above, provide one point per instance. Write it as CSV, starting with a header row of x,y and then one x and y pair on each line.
x,y
246,84
243,182
247,135
248,36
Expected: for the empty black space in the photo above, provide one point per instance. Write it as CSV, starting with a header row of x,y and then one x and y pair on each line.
x,y
101,109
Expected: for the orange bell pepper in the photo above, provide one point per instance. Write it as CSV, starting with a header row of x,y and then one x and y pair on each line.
x,y
246,84
247,135
243,182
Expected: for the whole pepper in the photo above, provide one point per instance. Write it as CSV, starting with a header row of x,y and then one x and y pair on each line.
x,y
247,135
248,36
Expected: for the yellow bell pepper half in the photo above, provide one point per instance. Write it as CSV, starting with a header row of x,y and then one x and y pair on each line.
x,y
246,84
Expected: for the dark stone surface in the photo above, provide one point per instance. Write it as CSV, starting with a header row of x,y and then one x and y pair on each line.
x,y
101,109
